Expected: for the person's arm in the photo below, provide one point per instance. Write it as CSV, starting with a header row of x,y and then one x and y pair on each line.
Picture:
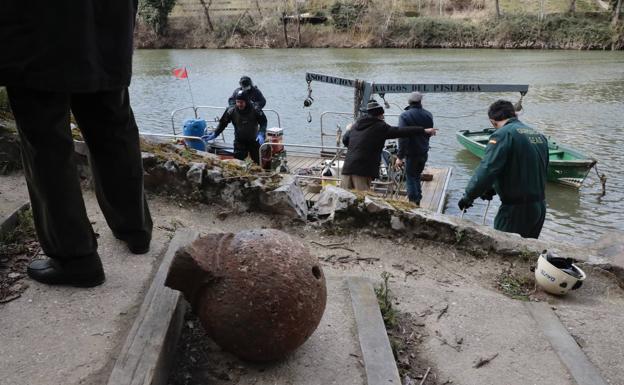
x,y
345,138
262,122
492,164
226,118
404,132
259,99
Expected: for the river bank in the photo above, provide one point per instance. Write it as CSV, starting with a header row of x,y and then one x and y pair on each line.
x,y
557,31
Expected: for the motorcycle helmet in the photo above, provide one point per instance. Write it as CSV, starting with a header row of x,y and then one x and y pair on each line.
x,y
557,275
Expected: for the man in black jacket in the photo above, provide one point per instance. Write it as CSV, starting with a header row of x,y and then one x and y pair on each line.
x,y
413,150
365,142
251,91
66,55
249,128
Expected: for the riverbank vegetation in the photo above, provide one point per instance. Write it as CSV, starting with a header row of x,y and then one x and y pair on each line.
x,y
567,24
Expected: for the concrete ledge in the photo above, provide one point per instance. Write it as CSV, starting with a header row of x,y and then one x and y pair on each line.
x,y
570,354
7,224
147,354
378,358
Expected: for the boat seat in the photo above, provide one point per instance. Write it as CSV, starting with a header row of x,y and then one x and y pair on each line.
x,y
558,153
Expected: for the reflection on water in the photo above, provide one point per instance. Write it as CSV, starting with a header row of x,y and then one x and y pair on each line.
x,y
575,97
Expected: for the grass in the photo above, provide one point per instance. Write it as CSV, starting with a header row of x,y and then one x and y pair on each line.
x,y
384,298
515,286
12,242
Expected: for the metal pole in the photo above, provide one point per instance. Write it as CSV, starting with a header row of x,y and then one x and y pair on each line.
x,y
486,211
188,81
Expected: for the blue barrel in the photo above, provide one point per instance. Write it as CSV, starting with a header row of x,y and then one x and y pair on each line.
x,y
195,127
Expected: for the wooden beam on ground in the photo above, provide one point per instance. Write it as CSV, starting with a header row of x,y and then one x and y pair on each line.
x,y
379,361
149,348
570,354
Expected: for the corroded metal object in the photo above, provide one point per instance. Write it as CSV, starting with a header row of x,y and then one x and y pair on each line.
x,y
259,294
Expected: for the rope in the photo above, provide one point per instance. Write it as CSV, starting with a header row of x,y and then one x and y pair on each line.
x,y
603,180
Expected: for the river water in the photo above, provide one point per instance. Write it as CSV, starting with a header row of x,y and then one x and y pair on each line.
x,y
575,97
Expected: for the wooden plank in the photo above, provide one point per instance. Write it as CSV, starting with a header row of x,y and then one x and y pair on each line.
x,y
570,354
378,358
447,180
439,178
147,353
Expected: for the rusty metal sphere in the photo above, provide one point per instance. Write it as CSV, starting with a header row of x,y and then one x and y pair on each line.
x,y
259,294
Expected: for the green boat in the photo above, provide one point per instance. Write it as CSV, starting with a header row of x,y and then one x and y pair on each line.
x,y
567,165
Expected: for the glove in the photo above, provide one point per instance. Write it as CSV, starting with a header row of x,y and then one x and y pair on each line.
x,y
488,195
260,139
464,203
209,137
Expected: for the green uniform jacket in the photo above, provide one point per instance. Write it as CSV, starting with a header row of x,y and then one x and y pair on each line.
x,y
515,164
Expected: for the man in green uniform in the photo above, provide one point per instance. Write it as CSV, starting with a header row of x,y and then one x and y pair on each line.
x,y
514,167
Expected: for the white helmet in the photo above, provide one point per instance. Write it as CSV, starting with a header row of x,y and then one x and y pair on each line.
x,y
557,275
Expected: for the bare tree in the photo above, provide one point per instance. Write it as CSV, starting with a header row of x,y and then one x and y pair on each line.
x,y
207,13
616,13
572,8
498,14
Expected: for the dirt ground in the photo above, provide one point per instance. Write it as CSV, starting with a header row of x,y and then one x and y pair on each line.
x,y
461,319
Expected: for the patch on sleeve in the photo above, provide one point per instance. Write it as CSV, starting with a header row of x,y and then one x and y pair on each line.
x,y
492,141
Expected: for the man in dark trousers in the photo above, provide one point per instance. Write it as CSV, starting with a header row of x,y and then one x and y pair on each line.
x,y
365,142
413,151
514,167
249,128
251,91
66,55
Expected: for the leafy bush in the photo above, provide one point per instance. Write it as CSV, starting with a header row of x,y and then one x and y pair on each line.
x,y
345,14
156,13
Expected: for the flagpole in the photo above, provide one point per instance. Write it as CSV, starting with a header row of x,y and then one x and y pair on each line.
x,y
188,81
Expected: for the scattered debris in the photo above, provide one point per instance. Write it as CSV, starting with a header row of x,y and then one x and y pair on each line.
x,y
333,259
515,286
443,311
17,248
484,361
334,246
437,335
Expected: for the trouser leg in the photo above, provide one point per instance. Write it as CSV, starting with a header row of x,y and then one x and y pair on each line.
x,y
59,213
240,150
414,167
361,183
254,151
244,148
346,182
524,219
110,131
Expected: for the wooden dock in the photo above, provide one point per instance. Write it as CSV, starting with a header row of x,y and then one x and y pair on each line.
x,y
434,191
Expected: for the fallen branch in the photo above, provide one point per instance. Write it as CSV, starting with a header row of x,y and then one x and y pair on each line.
x,y
443,311
484,361
445,342
425,376
330,245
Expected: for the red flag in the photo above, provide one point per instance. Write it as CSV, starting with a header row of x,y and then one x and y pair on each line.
x,y
180,73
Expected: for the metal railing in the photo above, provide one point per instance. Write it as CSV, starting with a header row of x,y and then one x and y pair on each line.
x,y
337,133
216,119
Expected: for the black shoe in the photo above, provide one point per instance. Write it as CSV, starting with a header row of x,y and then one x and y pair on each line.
x,y
136,246
83,272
